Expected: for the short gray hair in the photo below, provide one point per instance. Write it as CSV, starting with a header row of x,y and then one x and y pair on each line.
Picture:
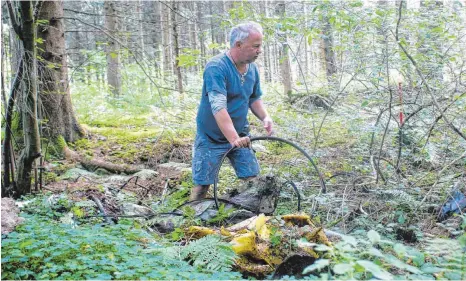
x,y
241,31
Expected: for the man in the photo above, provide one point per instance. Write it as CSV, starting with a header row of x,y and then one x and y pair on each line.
x,y
231,87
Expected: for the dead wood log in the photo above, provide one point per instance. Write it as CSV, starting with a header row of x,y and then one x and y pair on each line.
x,y
93,164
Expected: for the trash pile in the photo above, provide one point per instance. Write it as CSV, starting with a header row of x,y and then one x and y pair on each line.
x,y
267,244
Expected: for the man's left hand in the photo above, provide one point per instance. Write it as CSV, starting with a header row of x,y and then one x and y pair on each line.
x,y
268,125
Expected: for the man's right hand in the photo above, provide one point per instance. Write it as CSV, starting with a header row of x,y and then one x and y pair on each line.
x,y
242,142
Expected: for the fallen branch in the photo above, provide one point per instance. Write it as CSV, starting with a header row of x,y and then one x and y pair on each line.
x,y
93,164
126,183
101,208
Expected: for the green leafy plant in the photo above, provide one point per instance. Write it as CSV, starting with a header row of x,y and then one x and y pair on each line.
x,y
361,259
275,236
449,256
49,205
222,214
209,254
177,234
44,249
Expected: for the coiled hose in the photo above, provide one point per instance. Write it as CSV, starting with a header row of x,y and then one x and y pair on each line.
x,y
321,180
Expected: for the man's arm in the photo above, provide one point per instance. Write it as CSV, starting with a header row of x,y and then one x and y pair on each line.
x,y
218,102
226,126
258,108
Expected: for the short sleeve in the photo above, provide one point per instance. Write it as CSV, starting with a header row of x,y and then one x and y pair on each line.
x,y
215,80
256,92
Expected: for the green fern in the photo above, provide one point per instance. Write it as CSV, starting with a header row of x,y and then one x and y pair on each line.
x,y
397,195
209,253
450,256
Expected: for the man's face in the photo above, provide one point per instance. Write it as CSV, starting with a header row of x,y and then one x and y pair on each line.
x,y
251,47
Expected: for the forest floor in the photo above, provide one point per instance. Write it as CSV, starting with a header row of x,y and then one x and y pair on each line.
x,y
402,209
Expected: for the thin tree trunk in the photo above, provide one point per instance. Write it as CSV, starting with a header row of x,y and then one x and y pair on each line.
x,y
15,49
28,102
220,13
201,33
327,50
306,45
100,71
212,30
285,67
227,6
113,49
3,73
176,49
193,31
263,10
7,156
139,11
6,52
156,41
165,22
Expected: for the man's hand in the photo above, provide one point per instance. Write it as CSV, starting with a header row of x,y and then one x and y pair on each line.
x,y
242,142
268,125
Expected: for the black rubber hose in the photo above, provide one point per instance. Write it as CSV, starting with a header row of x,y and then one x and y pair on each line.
x,y
297,193
322,183
210,199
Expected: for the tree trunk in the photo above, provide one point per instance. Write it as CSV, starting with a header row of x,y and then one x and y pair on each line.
x,y
4,72
267,67
142,50
194,29
53,74
220,13
176,48
201,33
212,29
285,67
139,11
6,152
113,48
306,45
99,70
165,23
227,6
155,41
327,50
28,102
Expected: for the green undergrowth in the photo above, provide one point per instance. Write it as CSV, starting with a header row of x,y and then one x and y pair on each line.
x,y
177,198
134,144
52,244
126,135
367,255
46,248
134,128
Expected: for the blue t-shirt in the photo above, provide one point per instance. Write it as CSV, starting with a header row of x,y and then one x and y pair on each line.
x,y
221,75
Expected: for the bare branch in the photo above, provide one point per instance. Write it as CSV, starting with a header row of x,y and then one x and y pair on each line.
x,y
437,105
